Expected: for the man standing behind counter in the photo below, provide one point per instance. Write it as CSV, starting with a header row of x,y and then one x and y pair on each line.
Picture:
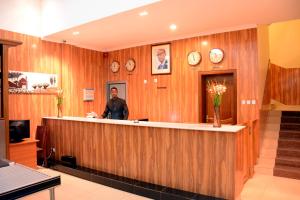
x,y
116,106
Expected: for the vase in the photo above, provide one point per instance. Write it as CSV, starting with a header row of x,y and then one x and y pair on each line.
x,y
217,120
59,110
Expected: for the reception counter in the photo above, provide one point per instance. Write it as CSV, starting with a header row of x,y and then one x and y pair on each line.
x,y
191,157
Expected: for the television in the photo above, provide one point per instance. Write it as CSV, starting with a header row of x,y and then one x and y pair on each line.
x,y
18,130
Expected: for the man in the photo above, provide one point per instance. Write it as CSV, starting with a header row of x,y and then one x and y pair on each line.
x,y
116,107
161,56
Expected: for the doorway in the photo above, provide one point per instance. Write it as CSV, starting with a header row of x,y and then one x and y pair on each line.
x,y
228,106
120,85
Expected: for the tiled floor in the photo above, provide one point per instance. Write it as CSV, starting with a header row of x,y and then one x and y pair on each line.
x,y
260,187
265,187
73,188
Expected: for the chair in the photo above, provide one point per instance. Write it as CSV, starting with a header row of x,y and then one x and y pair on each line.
x,y
42,144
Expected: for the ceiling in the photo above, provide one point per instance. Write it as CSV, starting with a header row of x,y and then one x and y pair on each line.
x,y
192,17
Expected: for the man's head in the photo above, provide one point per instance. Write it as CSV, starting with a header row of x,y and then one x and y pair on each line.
x,y
114,92
161,54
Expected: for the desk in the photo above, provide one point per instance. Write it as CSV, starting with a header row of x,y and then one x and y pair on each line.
x,y
17,181
24,152
191,157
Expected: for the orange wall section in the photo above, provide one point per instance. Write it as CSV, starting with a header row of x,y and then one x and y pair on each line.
x,y
77,68
263,59
175,97
284,43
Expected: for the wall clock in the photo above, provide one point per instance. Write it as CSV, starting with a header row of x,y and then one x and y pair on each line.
x,y
194,58
130,64
115,66
216,55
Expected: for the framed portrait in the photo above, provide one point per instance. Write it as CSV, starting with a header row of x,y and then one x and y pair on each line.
x,y
161,59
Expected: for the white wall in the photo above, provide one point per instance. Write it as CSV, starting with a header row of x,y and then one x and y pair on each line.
x,y
22,16
58,15
44,17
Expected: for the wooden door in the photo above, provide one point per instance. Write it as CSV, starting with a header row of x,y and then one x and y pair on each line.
x,y
228,104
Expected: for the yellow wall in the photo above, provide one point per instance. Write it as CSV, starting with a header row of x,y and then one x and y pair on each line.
x,y
263,58
284,38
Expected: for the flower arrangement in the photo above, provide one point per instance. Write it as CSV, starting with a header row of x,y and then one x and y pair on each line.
x,y
216,90
59,97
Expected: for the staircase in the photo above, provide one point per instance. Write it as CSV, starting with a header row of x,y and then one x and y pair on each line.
x,y
287,163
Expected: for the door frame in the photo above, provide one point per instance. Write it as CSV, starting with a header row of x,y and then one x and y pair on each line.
x,y
115,82
202,92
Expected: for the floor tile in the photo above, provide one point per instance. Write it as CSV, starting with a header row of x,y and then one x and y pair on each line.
x,y
260,187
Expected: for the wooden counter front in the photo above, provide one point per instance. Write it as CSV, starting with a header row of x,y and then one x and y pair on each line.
x,y
24,152
206,162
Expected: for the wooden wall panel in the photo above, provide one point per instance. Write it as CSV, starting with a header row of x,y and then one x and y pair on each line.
x,y
81,68
174,98
177,100
284,84
211,163
77,68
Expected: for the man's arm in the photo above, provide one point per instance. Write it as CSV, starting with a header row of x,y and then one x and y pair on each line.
x,y
105,113
125,111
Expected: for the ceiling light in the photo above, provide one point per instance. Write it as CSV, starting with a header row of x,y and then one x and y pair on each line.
x,y
76,33
204,43
144,13
173,27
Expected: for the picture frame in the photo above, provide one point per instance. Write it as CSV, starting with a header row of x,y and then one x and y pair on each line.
x,y
32,82
161,59
88,94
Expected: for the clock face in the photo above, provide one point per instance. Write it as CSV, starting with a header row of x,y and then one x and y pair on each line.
x,y
115,66
216,55
194,58
130,65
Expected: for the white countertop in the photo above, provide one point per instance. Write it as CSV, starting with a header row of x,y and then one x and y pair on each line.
x,y
186,126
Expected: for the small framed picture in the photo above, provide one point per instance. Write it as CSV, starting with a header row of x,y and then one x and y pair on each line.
x,y
88,94
161,59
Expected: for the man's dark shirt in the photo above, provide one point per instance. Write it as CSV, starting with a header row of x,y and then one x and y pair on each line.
x,y
117,107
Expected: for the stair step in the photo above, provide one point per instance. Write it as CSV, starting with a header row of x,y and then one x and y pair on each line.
x,y
268,153
288,152
263,170
273,120
274,113
288,161
290,126
270,135
290,119
289,143
290,113
266,162
269,143
289,134
287,171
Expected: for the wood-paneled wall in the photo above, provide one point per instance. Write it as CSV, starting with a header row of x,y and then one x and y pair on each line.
x,y
175,97
284,84
205,162
81,68
77,68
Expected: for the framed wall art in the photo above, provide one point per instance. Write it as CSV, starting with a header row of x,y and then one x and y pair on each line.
x,y
161,59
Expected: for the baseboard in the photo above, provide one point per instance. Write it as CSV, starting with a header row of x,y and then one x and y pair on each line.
x,y
141,188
